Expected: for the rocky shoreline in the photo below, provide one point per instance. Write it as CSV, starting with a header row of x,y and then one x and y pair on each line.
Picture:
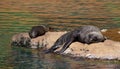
x,y
103,50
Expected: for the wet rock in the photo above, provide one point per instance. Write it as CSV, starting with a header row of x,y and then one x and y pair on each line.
x,y
103,50
21,39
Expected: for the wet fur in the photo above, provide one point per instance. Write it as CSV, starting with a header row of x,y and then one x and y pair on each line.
x,y
84,34
37,31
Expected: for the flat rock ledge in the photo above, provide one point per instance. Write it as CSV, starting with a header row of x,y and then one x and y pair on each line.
x,y
102,50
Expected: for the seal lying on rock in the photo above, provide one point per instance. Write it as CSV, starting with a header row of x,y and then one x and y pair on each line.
x,y
85,34
38,31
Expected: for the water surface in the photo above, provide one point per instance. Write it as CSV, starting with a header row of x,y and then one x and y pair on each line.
x,y
19,16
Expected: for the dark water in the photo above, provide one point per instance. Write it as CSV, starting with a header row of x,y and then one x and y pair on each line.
x,y
20,16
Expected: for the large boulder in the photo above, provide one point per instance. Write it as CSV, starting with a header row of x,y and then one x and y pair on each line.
x,y
106,50
103,50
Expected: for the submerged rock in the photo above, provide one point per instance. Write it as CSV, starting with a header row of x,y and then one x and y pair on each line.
x,y
102,50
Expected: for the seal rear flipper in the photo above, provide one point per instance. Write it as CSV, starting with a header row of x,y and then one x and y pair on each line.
x,y
52,49
47,51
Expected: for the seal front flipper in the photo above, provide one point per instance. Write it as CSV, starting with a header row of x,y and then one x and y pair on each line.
x,y
67,44
51,50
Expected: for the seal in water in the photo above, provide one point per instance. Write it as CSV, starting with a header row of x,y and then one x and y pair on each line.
x,y
85,34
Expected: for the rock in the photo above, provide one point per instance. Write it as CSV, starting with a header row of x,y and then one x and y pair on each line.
x,y
118,32
21,39
103,50
106,50
104,30
112,34
48,40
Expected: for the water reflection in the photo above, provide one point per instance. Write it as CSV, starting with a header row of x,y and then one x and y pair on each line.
x,y
36,59
24,59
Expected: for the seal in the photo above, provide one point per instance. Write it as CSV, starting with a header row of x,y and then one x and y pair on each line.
x,y
85,34
38,31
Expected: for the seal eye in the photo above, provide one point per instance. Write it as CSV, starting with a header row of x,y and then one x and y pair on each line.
x,y
94,39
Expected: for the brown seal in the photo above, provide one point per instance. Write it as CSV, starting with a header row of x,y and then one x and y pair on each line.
x,y
38,31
